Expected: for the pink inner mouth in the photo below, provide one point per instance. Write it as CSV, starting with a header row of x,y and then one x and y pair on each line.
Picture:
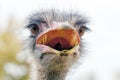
x,y
59,39
59,43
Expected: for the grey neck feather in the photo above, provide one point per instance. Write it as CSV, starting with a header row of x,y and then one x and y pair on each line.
x,y
41,73
52,75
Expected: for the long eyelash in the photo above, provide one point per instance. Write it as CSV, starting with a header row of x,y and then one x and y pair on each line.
x,y
81,22
36,22
86,28
33,22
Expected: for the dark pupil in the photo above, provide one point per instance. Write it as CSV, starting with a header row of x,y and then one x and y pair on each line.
x,y
34,29
80,30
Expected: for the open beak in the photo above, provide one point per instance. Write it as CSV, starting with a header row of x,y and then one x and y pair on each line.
x,y
63,40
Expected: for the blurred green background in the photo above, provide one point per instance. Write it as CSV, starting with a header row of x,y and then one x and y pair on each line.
x,y
102,61
12,66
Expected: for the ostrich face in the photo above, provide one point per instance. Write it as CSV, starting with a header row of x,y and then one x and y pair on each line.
x,y
56,37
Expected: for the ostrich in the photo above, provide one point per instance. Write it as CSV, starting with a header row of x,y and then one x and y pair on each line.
x,y
55,43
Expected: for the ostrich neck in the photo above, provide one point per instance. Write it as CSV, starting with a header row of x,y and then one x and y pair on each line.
x,y
48,74
52,75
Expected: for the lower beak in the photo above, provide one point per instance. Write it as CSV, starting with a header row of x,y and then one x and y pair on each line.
x,y
63,40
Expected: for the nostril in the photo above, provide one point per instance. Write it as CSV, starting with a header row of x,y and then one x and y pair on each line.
x,y
41,57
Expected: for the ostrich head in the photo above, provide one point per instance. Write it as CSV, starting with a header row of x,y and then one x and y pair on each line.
x,y
55,42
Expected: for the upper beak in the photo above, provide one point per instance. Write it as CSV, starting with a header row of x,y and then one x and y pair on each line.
x,y
60,40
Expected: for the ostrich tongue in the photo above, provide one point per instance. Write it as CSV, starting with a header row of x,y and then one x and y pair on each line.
x,y
58,41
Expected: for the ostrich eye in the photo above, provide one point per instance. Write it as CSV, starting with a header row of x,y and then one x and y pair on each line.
x,y
34,29
82,30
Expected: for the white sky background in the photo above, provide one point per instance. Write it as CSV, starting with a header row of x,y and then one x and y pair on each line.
x,y
103,56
